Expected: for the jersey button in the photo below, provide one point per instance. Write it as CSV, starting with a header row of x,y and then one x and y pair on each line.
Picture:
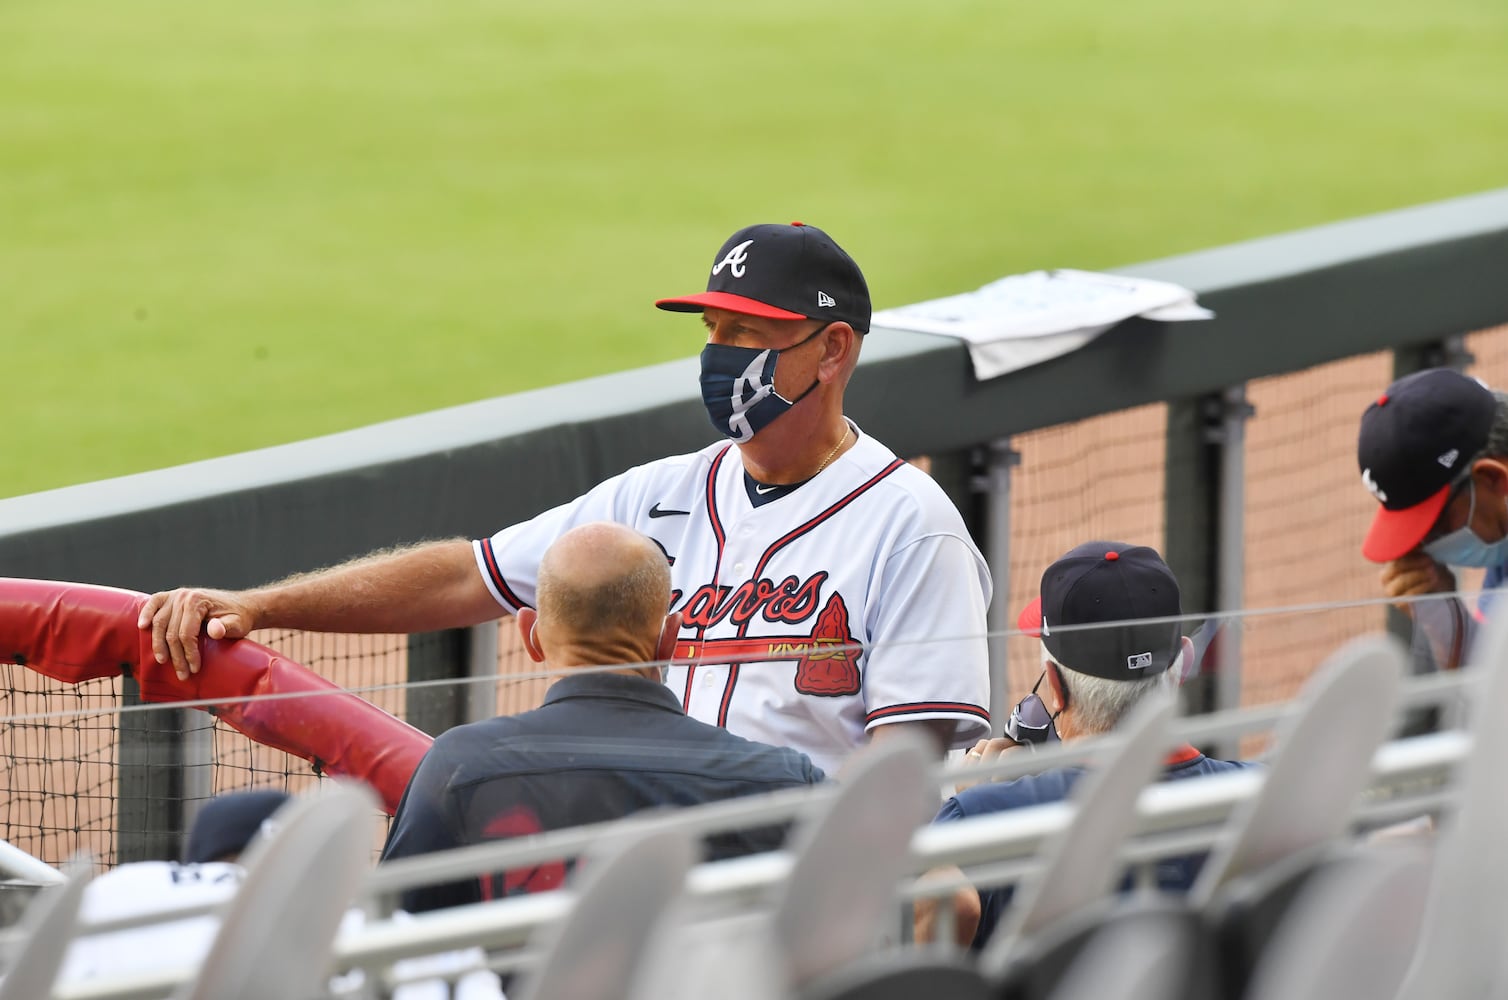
x,y
738,567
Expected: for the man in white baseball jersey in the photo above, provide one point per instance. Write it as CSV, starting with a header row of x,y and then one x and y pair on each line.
x,y
829,591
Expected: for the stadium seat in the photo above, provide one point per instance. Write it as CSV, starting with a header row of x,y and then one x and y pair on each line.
x,y
1058,908
1351,931
1133,960
597,951
46,930
1461,953
1322,759
1037,966
299,884
901,975
836,903
1248,909
1082,865
841,893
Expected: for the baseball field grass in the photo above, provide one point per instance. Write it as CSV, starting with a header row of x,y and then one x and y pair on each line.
x,y
230,225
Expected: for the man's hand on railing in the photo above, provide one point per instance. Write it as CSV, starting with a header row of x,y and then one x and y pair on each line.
x,y
176,618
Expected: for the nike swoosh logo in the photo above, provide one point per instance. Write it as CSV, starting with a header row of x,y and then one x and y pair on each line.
x,y
762,490
656,511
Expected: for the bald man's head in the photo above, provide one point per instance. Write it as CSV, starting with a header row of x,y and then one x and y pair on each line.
x,y
603,592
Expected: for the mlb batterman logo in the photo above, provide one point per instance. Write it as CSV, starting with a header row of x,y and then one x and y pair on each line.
x,y
734,261
1138,661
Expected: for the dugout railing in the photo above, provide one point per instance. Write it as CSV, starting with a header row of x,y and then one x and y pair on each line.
x,y
1148,433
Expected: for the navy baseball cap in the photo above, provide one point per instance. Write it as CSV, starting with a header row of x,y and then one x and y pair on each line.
x,y
227,823
1108,582
1416,441
783,272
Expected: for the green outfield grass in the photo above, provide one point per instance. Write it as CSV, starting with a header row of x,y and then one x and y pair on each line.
x,y
229,225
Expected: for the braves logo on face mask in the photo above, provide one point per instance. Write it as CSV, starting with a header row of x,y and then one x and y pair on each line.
x,y
738,387
748,392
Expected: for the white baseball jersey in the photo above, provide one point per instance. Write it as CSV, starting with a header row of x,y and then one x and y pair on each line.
x,y
851,602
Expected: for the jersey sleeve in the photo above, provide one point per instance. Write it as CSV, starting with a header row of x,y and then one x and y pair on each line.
x,y
928,656
509,560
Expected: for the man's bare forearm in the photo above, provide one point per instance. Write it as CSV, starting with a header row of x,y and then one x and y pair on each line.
x,y
421,588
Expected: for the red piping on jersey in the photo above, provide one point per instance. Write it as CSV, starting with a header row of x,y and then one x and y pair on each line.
x,y
743,629
923,707
814,522
717,565
490,558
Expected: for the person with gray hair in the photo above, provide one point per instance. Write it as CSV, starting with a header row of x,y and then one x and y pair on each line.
x,y
1107,617
610,739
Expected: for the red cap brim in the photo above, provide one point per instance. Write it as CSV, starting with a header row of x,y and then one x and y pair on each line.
x,y
728,301
1030,619
1396,533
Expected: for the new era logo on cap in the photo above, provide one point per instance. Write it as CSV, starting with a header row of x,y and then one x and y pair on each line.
x,y
1415,442
783,272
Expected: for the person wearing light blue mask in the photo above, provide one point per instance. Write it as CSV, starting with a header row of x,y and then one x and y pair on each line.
x,y
1433,452
1464,546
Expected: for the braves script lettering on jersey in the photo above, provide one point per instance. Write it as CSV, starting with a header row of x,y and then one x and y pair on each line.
x,y
852,602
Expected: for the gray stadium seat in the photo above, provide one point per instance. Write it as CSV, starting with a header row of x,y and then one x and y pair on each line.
x,y
1081,865
1247,910
1461,952
841,894
596,951
1321,761
1351,931
47,929
838,900
1058,908
901,975
1147,959
1039,963
299,884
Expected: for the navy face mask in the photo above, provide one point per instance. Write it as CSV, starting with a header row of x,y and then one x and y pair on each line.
x,y
738,387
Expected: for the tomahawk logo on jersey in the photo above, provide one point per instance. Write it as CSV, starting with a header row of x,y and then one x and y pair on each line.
x,y
851,602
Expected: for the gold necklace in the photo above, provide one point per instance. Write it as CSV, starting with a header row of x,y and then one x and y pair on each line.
x,y
841,441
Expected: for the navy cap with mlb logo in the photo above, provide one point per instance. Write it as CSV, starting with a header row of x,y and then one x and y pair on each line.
x,y
1416,441
783,272
1101,582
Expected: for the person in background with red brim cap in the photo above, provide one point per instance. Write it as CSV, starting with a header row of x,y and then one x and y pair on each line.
x,y
1433,452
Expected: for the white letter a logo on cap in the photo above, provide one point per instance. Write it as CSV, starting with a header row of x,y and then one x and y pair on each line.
x,y
734,262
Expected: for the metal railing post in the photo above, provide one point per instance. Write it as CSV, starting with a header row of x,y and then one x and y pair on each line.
x,y
1231,544
995,484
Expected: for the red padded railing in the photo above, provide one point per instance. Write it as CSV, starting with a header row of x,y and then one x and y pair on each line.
x,y
74,632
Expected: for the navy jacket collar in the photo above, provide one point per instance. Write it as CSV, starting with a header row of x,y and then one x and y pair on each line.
x,y
601,684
